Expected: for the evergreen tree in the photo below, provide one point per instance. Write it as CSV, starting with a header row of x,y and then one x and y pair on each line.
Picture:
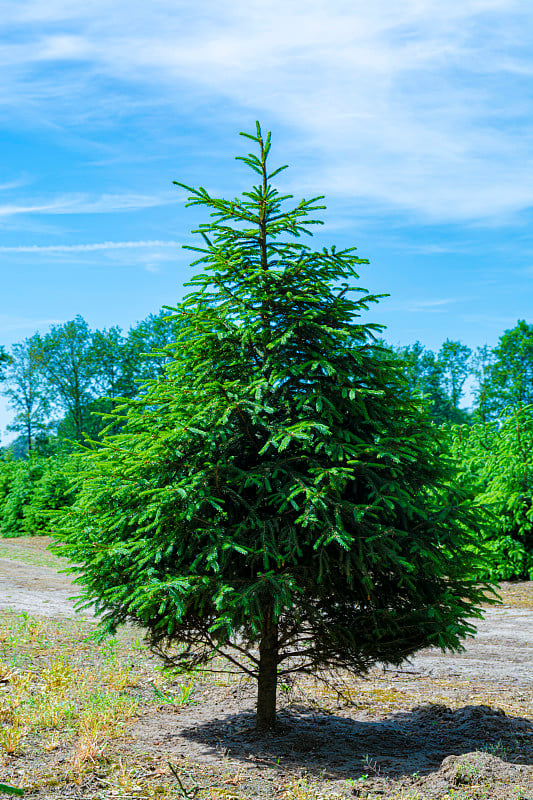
x,y
496,468
30,491
275,496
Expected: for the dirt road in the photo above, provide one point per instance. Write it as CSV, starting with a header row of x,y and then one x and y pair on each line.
x,y
37,590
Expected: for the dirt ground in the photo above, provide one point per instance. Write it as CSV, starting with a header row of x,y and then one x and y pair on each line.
x,y
443,726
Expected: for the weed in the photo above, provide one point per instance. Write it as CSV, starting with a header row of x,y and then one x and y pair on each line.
x,y
11,739
129,782
51,714
4,668
52,742
372,765
121,677
139,645
8,706
107,710
90,746
180,698
468,770
58,674
109,649
21,682
302,789
357,781
461,794
233,777
124,780
184,792
6,713
520,793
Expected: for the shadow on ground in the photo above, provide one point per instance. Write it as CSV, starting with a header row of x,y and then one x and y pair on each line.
x,y
336,747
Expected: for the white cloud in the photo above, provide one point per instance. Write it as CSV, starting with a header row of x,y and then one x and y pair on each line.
x,y
425,306
15,184
428,249
82,248
84,204
420,106
10,323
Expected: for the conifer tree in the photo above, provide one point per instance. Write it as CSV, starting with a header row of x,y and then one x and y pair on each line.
x,y
277,496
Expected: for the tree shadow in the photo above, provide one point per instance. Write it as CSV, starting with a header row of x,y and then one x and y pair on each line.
x,y
337,747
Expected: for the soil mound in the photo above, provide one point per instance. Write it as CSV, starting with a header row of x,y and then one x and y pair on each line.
x,y
472,721
479,767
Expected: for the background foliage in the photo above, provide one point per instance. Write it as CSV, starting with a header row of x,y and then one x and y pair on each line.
x,y
496,470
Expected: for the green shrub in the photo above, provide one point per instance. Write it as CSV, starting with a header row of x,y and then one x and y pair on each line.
x,y
29,491
496,469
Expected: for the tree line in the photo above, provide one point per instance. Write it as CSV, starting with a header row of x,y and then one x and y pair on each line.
x,y
498,378
61,383
60,386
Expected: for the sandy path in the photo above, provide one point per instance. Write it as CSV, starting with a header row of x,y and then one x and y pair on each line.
x,y
502,651
37,590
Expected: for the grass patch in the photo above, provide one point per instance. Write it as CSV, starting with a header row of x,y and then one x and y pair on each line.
x,y
65,700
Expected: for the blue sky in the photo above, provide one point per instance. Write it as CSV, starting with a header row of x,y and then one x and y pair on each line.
x,y
413,118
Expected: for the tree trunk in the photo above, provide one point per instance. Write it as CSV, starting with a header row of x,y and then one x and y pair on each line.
x,y
268,674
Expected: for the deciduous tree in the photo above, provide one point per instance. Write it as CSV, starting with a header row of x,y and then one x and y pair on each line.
x,y
4,361
426,376
509,382
26,392
66,358
454,359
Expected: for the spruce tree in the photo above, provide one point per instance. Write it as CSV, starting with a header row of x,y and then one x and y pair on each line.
x,y
275,497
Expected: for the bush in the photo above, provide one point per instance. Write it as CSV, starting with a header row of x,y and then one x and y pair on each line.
x,y
496,469
30,490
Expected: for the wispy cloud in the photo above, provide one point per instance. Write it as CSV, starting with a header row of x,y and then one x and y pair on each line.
x,y
85,204
418,107
12,323
83,248
15,184
435,249
415,306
